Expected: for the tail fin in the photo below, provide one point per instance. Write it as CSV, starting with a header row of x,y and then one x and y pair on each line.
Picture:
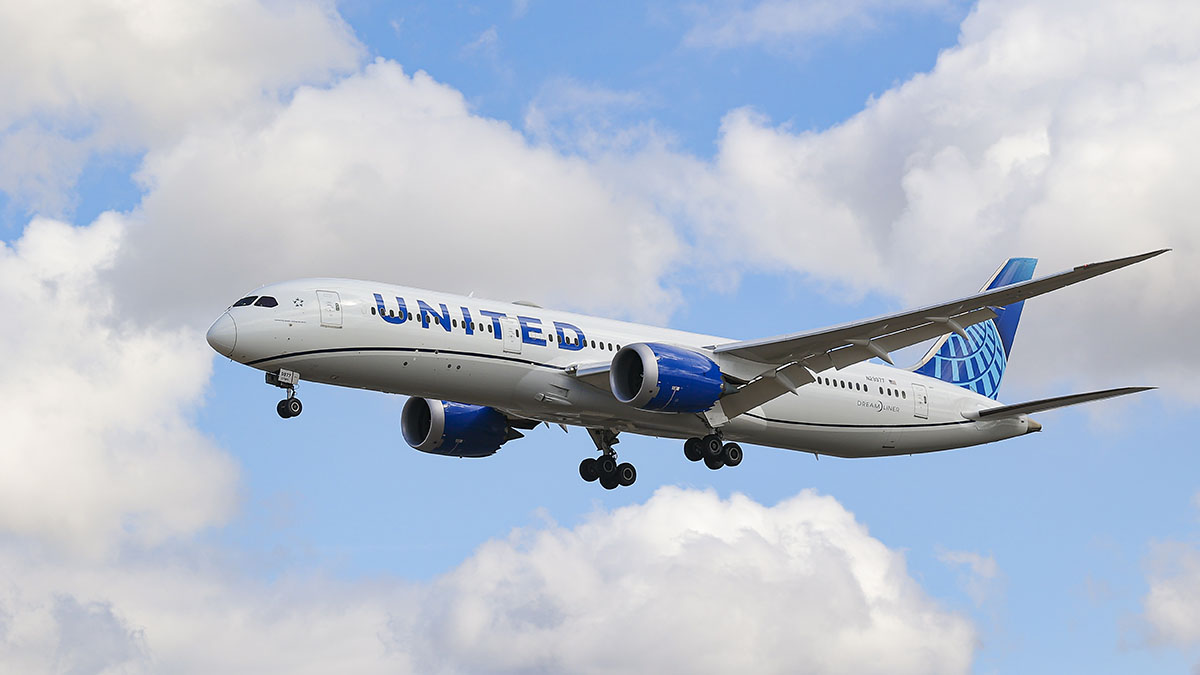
x,y
978,364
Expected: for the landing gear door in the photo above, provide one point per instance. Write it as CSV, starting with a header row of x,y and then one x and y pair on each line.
x,y
331,308
920,401
512,334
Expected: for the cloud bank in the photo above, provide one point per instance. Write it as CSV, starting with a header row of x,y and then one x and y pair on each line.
x,y
99,445
684,582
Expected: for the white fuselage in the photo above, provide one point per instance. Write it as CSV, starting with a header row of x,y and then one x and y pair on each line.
x,y
331,331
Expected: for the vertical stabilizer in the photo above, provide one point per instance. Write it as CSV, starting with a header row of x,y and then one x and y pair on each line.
x,y
978,363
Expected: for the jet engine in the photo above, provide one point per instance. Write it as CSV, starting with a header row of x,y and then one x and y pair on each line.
x,y
665,378
454,429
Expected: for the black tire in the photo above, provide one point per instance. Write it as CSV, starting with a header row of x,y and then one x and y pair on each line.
x,y
691,449
588,469
294,407
609,481
282,409
606,466
731,455
713,463
711,446
626,474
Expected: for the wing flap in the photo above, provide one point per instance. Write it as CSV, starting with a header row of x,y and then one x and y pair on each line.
x,y
1042,405
779,381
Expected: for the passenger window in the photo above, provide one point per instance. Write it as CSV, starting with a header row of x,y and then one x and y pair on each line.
x,y
903,394
610,347
372,311
881,390
410,316
437,320
248,300
391,312
593,344
489,327
454,323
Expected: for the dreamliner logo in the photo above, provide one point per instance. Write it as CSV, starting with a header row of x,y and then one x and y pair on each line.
x,y
878,406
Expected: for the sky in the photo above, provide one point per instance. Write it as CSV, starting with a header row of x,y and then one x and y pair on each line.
x,y
742,168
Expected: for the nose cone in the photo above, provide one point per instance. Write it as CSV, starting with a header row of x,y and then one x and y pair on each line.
x,y
222,336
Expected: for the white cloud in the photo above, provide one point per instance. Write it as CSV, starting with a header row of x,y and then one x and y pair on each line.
x,y
98,443
686,582
1172,605
1058,130
587,118
787,23
180,616
487,44
691,583
89,77
980,576
390,177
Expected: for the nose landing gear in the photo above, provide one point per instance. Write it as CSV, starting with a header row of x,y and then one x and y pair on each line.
x,y
605,467
289,407
286,379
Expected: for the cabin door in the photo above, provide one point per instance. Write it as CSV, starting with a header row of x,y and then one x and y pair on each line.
x,y
512,334
331,308
920,401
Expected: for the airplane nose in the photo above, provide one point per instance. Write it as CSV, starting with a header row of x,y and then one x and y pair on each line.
x,y
222,335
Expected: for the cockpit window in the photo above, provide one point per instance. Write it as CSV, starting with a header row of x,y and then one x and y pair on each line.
x,y
266,301
248,300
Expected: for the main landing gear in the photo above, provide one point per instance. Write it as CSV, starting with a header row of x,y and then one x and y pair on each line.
x,y
286,379
605,467
714,453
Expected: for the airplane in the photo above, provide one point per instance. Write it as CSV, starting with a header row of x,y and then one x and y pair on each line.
x,y
479,372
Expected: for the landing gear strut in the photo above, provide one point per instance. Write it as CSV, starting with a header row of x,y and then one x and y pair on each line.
x,y
605,467
714,453
286,379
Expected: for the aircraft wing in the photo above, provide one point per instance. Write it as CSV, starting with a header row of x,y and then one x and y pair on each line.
x,y
790,361
1045,404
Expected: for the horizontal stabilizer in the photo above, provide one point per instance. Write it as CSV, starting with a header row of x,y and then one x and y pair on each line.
x,y
1045,404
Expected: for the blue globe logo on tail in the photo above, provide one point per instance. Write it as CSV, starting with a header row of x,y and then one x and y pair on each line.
x,y
978,363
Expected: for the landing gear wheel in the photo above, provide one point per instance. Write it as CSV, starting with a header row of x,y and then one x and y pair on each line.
x,y
626,474
691,449
713,463
605,468
282,409
711,446
731,454
588,469
293,406
606,465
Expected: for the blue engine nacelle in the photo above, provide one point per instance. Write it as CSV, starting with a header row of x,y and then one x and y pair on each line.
x,y
454,429
665,378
